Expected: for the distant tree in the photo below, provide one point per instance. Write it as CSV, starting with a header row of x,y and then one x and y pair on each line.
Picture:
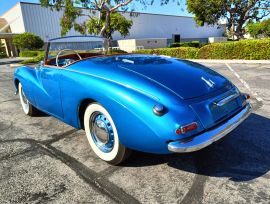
x,y
28,41
259,29
99,16
117,23
102,17
237,12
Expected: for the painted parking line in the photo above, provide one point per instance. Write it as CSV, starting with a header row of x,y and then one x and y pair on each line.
x,y
255,95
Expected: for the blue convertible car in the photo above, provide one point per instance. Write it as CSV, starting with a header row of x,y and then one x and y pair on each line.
x,y
149,103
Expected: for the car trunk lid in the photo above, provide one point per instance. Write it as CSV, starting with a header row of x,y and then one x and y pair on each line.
x,y
216,109
186,79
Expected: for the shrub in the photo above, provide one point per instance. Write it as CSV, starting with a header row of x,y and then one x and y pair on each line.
x,y
181,52
243,49
35,59
28,41
3,55
186,44
115,51
259,29
29,53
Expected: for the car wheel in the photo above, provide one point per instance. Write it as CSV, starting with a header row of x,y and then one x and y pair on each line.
x,y
102,135
28,109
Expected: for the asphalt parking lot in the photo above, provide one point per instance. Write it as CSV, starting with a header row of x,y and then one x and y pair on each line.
x,y
44,160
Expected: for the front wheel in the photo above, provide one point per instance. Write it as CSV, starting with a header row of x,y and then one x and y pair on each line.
x,y
102,135
27,107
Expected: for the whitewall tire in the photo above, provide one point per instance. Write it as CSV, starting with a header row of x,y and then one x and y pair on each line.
x,y
102,135
27,107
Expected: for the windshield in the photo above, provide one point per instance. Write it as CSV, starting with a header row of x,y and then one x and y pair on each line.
x,y
64,51
76,44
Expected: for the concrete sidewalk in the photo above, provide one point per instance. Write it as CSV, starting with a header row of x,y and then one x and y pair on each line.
x,y
11,60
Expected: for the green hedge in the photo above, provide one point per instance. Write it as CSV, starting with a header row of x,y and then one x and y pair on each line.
x,y
243,49
180,52
35,59
29,53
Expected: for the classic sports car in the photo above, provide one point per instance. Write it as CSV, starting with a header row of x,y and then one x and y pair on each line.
x,y
126,102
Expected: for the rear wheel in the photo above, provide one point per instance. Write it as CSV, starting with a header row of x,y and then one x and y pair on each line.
x,y
102,135
28,109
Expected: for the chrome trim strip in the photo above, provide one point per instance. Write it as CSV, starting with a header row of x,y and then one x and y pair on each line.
x,y
200,141
227,99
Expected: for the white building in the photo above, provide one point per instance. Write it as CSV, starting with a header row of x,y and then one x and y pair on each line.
x,y
30,17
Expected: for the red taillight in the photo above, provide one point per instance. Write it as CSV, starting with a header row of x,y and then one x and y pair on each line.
x,y
178,131
186,128
247,96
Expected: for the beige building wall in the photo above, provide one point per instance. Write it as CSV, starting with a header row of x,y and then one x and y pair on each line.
x,y
130,45
152,43
127,45
15,19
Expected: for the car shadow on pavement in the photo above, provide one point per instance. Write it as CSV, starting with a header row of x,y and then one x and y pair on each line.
x,y
242,155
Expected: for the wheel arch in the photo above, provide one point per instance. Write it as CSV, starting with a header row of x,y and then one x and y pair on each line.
x,y
16,83
81,110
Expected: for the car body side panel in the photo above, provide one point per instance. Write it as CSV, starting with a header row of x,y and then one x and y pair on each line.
x,y
41,87
138,127
49,95
27,77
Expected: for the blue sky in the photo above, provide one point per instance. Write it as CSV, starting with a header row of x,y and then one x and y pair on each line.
x,y
171,9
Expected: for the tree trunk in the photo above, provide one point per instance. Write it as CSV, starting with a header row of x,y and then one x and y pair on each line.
x,y
107,24
240,32
104,28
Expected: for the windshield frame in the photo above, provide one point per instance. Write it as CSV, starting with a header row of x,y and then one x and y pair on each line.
x,y
84,37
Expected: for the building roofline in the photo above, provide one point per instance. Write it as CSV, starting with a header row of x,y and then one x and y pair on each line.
x,y
10,9
135,12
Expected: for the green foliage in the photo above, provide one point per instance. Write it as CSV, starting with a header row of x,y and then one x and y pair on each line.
x,y
115,51
2,51
28,41
68,19
206,11
117,23
3,55
180,52
243,49
259,29
30,53
36,59
186,44
236,12
102,17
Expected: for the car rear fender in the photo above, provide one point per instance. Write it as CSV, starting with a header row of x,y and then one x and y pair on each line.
x,y
132,111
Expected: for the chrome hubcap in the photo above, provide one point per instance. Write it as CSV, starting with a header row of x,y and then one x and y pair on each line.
x,y
102,132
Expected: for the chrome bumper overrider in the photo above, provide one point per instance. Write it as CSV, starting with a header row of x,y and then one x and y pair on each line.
x,y
207,138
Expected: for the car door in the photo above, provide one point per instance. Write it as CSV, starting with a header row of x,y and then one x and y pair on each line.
x,y
49,97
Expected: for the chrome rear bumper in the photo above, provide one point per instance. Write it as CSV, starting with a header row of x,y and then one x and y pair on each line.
x,y
207,138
